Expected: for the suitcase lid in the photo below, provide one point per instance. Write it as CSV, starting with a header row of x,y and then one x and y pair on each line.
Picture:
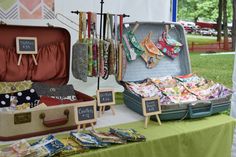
x,y
137,71
53,55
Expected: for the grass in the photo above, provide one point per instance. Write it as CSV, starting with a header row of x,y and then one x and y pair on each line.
x,y
218,68
198,39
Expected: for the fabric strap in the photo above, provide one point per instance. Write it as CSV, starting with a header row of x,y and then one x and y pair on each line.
x,y
89,24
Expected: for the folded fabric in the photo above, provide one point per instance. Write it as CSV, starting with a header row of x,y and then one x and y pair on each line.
x,y
86,140
107,137
18,98
59,92
128,134
48,146
12,87
18,149
54,102
71,148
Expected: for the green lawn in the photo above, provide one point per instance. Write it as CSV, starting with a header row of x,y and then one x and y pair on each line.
x,y
218,68
198,39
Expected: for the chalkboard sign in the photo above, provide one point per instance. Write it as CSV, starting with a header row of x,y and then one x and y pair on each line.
x,y
26,45
105,97
85,113
151,106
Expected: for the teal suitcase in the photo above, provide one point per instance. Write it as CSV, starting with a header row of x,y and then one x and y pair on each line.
x,y
137,71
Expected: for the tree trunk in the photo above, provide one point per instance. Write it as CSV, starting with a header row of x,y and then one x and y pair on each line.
x,y
234,26
225,25
219,21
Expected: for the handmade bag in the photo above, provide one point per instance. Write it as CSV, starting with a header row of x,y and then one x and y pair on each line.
x,y
132,47
152,54
169,46
80,52
12,87
58,92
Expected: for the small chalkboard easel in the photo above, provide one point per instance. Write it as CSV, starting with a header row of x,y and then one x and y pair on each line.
x,y
151,106
105,97
26,45
85,114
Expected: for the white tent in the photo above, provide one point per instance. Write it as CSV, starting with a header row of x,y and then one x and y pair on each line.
x,y
139,10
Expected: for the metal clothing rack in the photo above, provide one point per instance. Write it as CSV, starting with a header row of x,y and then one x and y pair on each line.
x,y
100,33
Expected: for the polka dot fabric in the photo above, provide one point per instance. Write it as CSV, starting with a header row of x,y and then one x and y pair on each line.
x,y
26,96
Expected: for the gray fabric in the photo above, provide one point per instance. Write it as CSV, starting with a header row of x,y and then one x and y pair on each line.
x,y
80,61
58,92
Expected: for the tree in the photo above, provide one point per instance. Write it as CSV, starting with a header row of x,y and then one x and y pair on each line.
x,y
205,10
234,25
219,21
225,24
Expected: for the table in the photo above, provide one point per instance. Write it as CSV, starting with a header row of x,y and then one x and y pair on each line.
x,y
206,137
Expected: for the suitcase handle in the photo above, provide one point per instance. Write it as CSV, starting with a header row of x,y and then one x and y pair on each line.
x,y
201,113
55,122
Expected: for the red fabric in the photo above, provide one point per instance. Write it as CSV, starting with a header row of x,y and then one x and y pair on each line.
x,y
51,60
54,102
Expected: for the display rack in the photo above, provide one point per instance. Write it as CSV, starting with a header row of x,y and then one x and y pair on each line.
x,y
101,22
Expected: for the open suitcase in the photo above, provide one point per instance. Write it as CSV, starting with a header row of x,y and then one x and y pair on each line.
x,y
136,71
53,68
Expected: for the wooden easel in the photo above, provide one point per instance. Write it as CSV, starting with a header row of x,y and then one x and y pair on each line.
x,y
20,57
85,114
151,106
147,118
84,126
105,97
26,46
102,110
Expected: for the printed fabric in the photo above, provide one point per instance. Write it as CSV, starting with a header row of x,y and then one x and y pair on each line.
x,y
58,92
128,134
86,140
179,89
12,87
169,46
12,100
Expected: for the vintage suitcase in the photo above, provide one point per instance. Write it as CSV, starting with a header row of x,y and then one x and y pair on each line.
x,y
137,71
53,68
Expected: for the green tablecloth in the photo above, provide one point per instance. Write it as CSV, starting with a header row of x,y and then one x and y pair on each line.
x,y
207,137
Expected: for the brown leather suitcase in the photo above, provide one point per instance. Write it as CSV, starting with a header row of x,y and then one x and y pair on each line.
x,y
53,67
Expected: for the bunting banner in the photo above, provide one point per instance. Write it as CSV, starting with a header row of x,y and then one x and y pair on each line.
x,y
27,9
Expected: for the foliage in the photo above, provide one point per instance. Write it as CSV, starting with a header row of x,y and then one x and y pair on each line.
x,y
206,10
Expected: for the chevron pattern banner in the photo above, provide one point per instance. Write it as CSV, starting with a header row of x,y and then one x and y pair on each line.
x,y
27,9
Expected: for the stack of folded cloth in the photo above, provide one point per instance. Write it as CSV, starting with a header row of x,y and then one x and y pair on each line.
x,y
71,148
107,137
87,140
18,149
130,135
48,146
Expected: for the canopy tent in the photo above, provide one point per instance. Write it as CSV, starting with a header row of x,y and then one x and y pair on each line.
x,y
139,10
